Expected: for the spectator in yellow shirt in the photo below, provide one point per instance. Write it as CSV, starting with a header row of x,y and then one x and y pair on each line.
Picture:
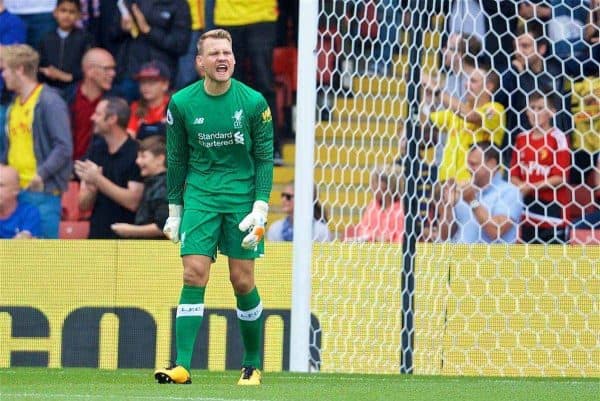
x,y
477,118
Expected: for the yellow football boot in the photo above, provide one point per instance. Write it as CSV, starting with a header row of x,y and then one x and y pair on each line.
x,y
173,374
250,377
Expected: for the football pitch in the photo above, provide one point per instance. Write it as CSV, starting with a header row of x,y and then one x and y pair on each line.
x,y
41,384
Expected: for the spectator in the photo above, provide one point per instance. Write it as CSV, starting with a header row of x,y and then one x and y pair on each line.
x,y
383,219
253,26
535,9
389,20
98,67
491,22
61,50
111,185
592,29
566,24
91,11
152,30
186,73
17,219
148,115
540,167
154,208
530,71
12,31
485,210
467,17
459,47
283,229
585,141
37,15
476,119
39,136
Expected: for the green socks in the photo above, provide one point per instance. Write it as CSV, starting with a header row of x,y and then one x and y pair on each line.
x,y
190,312
249,311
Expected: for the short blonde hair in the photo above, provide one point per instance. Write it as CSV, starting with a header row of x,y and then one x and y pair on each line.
x,y
213,34
15,56
393,176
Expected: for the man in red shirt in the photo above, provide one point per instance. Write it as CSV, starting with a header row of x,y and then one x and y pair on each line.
x,y
540,167
98,67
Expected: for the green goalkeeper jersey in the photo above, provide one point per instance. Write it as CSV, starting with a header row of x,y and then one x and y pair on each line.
x,y
219,149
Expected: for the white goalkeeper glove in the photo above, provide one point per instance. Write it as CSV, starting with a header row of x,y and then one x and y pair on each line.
x,y
255,224
173,222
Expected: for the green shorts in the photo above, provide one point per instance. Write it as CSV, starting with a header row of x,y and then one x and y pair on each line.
x,y
205,233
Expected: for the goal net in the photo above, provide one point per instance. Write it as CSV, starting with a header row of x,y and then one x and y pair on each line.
x,y
456,151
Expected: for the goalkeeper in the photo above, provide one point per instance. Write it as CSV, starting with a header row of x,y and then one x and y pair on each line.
x,y
219,178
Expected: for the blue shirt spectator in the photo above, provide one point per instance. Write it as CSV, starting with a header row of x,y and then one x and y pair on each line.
x,y
499,198
25,218
17,219
485,210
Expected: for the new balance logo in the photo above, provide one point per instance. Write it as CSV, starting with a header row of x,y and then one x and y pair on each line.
x,y
199,120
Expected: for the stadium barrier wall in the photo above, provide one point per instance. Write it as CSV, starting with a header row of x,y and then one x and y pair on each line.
x,y
510,310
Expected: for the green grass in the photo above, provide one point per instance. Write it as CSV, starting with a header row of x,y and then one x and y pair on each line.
x,y
124,385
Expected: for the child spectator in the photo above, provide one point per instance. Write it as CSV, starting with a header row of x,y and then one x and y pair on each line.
x,y
476,119
539,167
283,229
148,115
154,207
61,50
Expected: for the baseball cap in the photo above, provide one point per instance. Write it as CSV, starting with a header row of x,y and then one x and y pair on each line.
x,y
153,69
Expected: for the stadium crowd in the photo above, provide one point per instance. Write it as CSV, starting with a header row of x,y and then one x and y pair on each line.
x,y
519,77
85,86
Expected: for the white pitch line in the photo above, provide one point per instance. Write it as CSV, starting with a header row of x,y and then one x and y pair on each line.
x,y
136,397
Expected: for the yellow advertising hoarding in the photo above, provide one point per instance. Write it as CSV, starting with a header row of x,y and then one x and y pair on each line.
x,y
478,310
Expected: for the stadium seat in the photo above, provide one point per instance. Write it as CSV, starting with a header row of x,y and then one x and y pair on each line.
x,y
70,203
74,229
329,45
585,237
285,66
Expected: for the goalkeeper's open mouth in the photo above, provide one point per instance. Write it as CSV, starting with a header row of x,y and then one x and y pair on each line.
x,y
222,69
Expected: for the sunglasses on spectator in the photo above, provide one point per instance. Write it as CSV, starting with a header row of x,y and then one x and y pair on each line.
x,y
287,196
